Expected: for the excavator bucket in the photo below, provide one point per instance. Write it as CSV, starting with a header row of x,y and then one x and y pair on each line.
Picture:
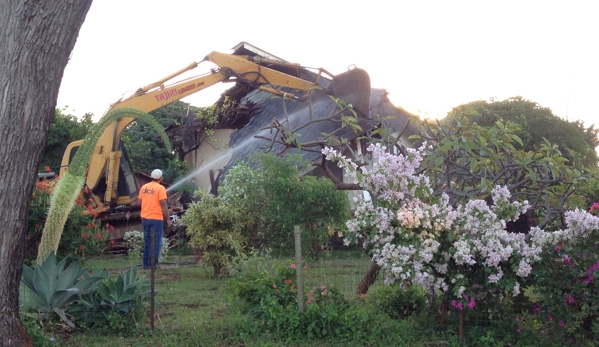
x,y
353,86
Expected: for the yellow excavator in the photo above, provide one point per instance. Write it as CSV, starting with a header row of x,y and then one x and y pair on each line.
x,y
110,181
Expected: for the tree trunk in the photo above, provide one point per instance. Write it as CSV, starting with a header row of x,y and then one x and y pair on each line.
x,y
369,278
461,327
36,41
443,312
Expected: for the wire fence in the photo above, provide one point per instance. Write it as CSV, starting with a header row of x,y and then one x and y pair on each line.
x,y
187,287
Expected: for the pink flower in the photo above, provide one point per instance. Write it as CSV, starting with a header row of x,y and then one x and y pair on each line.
x,y
472,304
460,306
593,268
306,267
323,293
558,248
454,303
465,296
274,286
293,266
288,281
309,302
567,260
517,319
550,317
519,329
561,323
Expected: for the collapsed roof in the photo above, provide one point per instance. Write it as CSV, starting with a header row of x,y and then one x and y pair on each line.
x,y
252,113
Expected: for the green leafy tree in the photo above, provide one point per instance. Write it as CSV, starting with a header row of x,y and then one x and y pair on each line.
x,y
275,199
65,128
467,160
147,152
537,123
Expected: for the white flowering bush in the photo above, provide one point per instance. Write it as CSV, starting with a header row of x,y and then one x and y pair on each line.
x,y
135,242
462,252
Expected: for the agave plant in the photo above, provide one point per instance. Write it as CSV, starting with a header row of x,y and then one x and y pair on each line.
x,y
52,288
122,295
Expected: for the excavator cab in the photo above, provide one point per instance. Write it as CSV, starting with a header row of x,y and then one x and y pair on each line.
x,y
127,186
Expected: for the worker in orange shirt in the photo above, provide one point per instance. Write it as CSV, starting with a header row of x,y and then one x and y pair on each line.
x,y
153,213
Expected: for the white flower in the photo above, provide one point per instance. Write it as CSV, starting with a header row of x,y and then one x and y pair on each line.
x,y
524,269
516,290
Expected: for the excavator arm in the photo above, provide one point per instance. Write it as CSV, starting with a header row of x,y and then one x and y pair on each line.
x,y
105,162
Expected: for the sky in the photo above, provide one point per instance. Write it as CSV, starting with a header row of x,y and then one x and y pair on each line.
x,y
429,55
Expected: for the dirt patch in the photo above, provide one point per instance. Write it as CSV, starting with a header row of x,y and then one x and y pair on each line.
x,y
166,277
342,265
192,306
219,314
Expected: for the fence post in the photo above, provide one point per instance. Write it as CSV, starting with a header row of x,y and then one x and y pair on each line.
x,y
298,267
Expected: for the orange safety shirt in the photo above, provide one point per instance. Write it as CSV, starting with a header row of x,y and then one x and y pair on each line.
x,y
150,195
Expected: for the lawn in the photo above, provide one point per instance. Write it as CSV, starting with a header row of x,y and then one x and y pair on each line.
x,y
195,309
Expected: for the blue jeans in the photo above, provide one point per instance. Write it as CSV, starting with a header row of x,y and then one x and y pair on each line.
x,y
157,226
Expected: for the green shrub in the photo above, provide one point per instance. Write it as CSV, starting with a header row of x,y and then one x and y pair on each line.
x,y
274,199
565,294
82,236
215,228
38,335
135,241
270,299
400,303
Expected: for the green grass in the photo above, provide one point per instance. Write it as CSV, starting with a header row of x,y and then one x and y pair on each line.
x,y
194,307
196,310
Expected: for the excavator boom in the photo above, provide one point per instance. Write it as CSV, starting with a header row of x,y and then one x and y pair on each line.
x,y
105,165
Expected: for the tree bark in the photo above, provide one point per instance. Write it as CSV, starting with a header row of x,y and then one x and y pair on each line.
x,y
369,278
37,39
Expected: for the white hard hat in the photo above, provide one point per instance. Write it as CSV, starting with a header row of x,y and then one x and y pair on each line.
x,y
156,174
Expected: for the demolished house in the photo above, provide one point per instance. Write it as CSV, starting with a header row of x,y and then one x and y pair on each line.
x,y
251,119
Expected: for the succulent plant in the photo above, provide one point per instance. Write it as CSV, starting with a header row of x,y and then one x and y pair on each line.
x,y
122,294
50,288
